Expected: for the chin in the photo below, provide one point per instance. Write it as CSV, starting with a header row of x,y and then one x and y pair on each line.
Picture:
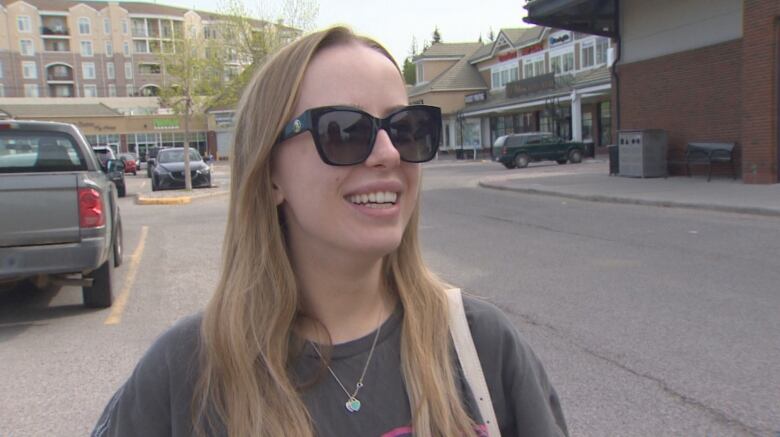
x,y
377,247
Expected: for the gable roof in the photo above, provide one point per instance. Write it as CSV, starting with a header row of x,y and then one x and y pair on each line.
x,y
447,50
516,37
460,76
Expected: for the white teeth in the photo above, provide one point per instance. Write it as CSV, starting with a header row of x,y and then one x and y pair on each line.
x,y
377,198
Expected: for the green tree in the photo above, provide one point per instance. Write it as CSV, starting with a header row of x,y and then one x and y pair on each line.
x,y
436,35
190,78
410,71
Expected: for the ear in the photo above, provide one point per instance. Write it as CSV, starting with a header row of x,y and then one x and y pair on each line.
x,y
277,193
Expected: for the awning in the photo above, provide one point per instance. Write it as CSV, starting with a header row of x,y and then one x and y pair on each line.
x,y
596,17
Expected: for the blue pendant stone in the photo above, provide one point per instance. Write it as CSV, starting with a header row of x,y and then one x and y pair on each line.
x,y
353,405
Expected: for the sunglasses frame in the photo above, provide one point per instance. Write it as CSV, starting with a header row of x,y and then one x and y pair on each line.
x,y
307,122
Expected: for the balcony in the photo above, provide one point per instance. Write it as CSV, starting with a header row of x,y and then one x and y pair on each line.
x,y
59,73
61,91
54,31
140,33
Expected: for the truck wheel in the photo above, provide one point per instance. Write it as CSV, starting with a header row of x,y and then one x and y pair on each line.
x,y
118,246
101,293
575,156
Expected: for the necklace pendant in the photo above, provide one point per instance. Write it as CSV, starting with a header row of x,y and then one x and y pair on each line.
x,y
353,405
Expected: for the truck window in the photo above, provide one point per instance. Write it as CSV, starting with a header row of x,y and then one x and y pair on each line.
x,y
30,152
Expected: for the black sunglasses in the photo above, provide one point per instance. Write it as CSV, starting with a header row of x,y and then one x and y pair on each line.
x,y
345,135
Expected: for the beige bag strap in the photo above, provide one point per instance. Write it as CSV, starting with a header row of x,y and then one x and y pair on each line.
x,y
469,360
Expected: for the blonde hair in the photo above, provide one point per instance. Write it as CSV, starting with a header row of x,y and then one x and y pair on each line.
x,y
244,387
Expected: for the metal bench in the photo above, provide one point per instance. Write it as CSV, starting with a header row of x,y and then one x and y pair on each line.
x,y
708,153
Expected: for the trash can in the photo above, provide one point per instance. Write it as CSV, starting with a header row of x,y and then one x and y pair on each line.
x,y
614,159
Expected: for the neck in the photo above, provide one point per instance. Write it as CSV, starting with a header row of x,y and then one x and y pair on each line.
x,y
348,302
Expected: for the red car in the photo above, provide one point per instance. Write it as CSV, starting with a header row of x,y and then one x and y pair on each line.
x,y
131,162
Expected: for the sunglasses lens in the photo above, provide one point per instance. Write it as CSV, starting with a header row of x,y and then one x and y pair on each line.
x,y
415,133
345,136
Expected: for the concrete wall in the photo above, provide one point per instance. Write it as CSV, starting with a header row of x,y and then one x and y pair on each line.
x,y
652,28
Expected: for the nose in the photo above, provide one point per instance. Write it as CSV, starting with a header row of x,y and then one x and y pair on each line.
x,y
384,153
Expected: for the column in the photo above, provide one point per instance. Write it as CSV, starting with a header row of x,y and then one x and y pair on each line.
x,y
576,116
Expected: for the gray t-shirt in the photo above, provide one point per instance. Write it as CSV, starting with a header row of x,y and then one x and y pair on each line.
x,y
155,400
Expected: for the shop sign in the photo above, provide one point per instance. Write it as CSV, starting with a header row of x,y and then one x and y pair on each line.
x,y
507,56
538,47
522,87
560,39
476,97
224,119
166,123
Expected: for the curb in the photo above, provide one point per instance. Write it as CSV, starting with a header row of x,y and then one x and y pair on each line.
x,y
632,201
179,200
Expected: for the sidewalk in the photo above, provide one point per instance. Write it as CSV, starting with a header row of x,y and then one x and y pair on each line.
x,y
591,181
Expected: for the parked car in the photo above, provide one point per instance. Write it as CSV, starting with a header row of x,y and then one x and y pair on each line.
x,y
117,176
518,150
59,220
151,158
168,170
131,162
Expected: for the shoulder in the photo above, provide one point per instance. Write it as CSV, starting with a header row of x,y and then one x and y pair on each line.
x,y
486,320
156,393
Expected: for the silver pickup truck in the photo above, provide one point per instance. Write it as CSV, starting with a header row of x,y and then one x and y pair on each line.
x,y
59,218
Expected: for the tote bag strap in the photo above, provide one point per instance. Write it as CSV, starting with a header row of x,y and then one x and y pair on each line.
x,y
469,360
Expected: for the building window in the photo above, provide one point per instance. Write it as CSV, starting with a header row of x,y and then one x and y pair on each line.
x,y
420,72
126,49
533,67
106,26
128,70
23,23
587,126
601,50
88,70
29,70
60,72
90,91
111,90
149,68
588,54
504,73
86,48
141,46
26,47
84,26
31,90
562,63
110,73
109,49
130,90
124,27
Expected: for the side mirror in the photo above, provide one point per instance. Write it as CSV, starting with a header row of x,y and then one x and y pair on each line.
x,y
115,165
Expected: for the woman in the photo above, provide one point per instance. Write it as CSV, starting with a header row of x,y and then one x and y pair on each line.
x,y
325,320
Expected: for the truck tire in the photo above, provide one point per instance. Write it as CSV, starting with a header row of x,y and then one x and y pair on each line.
x,y
575,156
101,293
119,244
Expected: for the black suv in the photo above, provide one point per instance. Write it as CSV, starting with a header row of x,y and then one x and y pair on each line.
x,y
116,169
517,150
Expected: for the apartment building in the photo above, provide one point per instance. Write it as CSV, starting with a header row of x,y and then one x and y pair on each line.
x,y
60,48
96,64
526,79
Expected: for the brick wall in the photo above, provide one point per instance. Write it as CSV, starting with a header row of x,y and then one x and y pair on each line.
x,y
759,87
694,95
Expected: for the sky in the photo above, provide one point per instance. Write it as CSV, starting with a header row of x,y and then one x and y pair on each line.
x,y
394,22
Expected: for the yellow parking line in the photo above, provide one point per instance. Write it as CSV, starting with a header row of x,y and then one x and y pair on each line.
x,y
121,301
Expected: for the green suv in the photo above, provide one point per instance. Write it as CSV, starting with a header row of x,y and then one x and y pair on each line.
x,y
517,150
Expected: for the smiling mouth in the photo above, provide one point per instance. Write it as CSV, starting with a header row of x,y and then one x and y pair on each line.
x,y
380,199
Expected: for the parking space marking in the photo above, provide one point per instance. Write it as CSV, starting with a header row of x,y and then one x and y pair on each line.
x,y
143,184
135,260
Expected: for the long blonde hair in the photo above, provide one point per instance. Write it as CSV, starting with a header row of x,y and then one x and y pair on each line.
x,y
244,387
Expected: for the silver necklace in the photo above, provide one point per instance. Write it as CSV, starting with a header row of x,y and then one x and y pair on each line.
x,y
353,404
